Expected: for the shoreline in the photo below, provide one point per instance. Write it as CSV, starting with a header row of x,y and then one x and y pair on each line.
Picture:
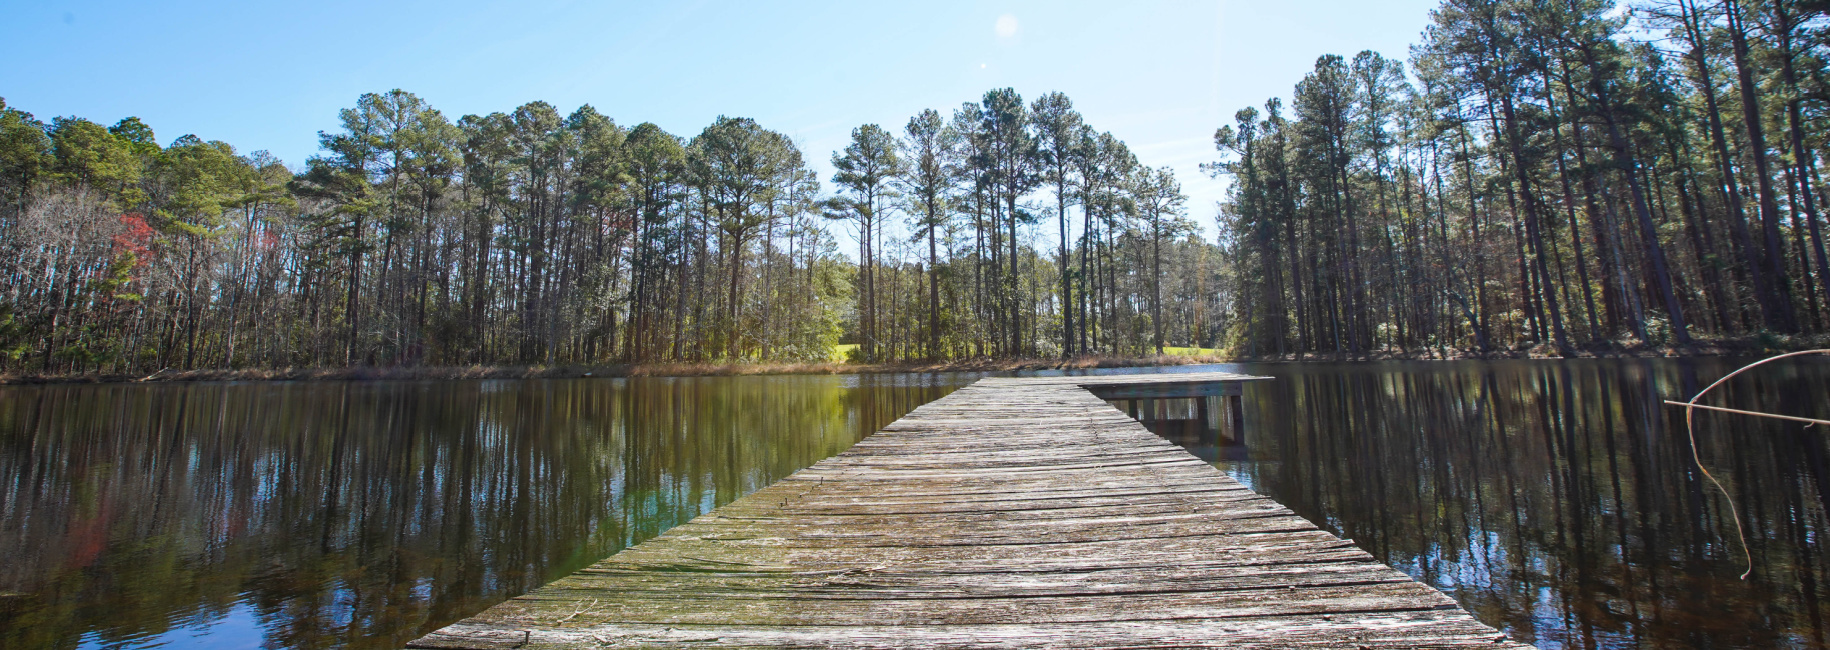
x,y
1747,347
612,370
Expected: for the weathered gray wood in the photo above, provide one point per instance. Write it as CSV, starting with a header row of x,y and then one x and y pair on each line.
x,y
1013,512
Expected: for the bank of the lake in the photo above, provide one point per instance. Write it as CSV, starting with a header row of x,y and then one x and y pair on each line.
x,y
1174,356
709,369
1762,344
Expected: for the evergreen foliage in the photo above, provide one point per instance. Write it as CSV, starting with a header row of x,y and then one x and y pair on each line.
x,y
541,238
1565,175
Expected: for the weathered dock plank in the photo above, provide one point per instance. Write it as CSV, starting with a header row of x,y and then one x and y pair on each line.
x,y
1013,512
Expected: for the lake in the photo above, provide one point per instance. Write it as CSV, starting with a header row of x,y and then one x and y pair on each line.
x,y
364,514
1557,500
1554,499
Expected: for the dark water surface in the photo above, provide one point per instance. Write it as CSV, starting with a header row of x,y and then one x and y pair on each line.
x,y
363,514
1557,500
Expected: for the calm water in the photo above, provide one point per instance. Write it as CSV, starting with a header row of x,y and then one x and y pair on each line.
x,y
310,515
1555,500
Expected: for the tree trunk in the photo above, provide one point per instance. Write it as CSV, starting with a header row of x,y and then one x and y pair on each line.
x,y
1780,313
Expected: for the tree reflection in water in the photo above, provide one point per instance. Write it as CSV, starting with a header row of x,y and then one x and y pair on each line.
x,y
310,515
1556,499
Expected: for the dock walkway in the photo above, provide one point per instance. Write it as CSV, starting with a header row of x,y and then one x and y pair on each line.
x,y
1012,512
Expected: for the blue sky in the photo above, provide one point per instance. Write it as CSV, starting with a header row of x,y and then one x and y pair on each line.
x,y
1159,75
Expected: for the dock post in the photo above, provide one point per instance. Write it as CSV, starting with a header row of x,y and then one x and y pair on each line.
x,y
1210,429
1236,411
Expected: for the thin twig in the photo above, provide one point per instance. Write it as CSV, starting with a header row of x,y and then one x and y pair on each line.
x,y
1753,413
577,611
1690,409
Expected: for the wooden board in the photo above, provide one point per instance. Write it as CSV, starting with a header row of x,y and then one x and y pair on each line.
x,y
1010,513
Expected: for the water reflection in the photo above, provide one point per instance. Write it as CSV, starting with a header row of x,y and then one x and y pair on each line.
x,y
308,515
1557,500
1211,428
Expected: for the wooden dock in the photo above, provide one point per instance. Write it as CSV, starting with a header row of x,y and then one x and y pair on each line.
x,y
1012,512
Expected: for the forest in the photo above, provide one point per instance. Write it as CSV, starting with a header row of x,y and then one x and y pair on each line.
x,y
540,238
1561,177
1565,177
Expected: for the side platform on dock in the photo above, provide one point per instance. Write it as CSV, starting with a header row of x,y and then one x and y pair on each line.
x,y
1012,512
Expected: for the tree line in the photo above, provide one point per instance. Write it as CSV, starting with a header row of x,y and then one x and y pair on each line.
x,y
1004,229
1563,175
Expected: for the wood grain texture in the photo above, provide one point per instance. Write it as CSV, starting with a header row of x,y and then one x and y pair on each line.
x,y
1011,513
